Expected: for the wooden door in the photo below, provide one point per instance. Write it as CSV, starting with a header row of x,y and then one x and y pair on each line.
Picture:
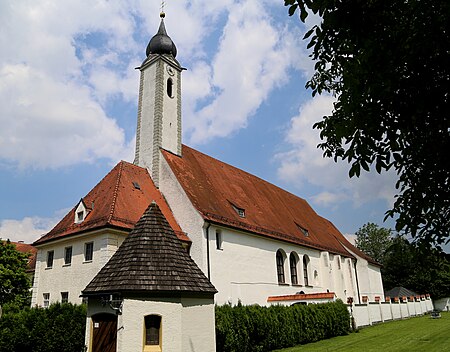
x,y
104,334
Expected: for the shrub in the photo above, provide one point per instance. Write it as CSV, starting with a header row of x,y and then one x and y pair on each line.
x,y
259,329
59,328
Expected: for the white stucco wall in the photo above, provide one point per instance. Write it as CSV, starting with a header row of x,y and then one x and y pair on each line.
x,y
131,324
244,269
361,314
72,278
145,116
187,324
386,313
395,309
375,312
198,321
404,310
418,308
170,121
186,215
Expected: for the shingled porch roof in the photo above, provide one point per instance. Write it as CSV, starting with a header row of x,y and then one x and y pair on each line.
x,y
218,190
117,201
150,260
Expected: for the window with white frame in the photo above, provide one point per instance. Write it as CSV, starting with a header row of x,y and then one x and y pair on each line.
x,y
305,270
68,255
46,297
50,256
280,267
239,211
88,251
293,267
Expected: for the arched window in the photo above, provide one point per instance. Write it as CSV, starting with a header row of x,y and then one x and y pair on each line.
x,y
305,270
152,330
280,267
170,87
293,267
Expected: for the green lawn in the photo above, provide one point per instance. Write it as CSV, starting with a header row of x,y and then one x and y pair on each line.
x,y
414,334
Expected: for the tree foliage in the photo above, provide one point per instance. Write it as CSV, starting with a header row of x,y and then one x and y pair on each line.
x,y
61,327
259,329
422,269
387,63
14,281
374,241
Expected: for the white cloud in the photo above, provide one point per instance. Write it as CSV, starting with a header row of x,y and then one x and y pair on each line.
x,y
54,86
28,229
304,163
48,123
75,56
243,72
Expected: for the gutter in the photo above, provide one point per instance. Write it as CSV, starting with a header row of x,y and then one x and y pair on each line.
x,y
357,284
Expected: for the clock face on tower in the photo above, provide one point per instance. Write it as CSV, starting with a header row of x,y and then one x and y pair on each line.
x,y
170,70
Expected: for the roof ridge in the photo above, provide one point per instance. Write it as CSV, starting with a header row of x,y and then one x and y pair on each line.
x,y
116,190
240,170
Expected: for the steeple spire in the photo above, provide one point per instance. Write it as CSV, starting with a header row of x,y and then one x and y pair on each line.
x,y
161,43
159,109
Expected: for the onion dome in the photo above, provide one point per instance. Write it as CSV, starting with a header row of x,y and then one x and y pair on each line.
x,y
161,42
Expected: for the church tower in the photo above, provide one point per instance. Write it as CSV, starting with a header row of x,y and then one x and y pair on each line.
x,y
159,106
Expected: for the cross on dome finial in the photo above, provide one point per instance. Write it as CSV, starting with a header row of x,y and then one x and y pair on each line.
x,y
161,42
162,14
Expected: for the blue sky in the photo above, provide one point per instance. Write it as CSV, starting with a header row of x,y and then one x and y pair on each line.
x,y
68,97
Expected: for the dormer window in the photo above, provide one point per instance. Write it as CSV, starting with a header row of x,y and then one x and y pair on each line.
x,y
239,211
302,230
80,212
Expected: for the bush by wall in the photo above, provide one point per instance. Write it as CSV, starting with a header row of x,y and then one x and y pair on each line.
x,y
58,328
259,329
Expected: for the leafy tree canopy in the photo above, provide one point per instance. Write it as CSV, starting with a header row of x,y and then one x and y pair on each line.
x,y
419,268
387,63
374,241
14,281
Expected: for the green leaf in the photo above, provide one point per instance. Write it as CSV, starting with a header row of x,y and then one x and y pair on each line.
x,y
303,14
355,170
307,34
292,9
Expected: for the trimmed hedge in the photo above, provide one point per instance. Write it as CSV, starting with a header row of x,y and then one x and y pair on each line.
x,y
259,329
58,328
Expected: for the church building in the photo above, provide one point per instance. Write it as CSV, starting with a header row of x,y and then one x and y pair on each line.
x,y
255,242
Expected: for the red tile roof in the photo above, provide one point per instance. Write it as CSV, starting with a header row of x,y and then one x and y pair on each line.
x,y
27,248
216,189
301,297
116,202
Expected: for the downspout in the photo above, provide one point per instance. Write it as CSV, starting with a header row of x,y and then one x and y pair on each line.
x,y
207,251
357,284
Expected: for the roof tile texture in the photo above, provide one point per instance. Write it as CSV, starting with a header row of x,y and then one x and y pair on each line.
x,y
115,202
151,259
215,187
28,249
302,297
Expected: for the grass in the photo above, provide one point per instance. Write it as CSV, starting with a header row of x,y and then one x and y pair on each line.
x,y
415,334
